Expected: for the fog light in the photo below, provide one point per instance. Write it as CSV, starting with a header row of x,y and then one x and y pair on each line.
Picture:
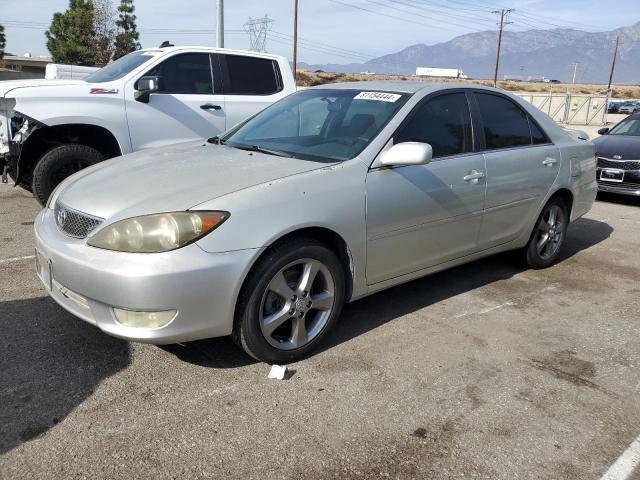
x,y
130,318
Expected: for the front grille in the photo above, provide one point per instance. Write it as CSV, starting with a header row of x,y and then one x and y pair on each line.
x,y
73,223
619,164
619,187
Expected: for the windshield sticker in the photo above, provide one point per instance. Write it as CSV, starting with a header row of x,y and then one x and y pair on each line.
x,y
378,96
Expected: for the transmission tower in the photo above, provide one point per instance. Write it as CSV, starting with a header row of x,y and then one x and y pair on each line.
x,y
257,29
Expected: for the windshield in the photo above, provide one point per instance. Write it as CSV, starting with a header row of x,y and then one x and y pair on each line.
x,y
120,67
628,126
326,124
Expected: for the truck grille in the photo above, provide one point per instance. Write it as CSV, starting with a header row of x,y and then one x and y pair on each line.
x,y
619,164
73,223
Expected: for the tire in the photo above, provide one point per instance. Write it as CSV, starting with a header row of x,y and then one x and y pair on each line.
x,y
59,163
548,235
278,289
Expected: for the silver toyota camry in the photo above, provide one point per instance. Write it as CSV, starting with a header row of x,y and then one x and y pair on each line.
x,y
329,195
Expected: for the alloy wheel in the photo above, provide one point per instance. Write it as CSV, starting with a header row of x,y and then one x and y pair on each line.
x,y
297,304
550,231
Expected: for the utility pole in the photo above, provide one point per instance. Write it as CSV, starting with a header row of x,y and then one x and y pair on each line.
x,y
613,64
503,13
220,24
295,38
575,69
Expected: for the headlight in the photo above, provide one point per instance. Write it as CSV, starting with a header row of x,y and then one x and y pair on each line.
x,y
157,233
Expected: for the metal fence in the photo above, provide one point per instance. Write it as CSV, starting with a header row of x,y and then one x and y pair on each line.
x,y
570,108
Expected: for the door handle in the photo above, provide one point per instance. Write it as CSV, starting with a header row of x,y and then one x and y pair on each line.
x,y
549,162
210,106
473,176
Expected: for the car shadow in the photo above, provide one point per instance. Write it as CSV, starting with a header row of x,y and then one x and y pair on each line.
x,y
50,362
219,352
371,312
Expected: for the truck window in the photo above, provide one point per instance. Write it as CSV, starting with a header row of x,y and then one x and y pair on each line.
x,y
186,73
250,75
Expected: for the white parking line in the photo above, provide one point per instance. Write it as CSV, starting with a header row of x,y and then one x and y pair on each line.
x,y
626,463
16,259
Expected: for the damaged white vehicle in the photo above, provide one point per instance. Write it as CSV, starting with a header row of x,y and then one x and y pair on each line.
x,y
50,129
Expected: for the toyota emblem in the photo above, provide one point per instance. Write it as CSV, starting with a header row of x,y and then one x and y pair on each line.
x,y
62,216
617,157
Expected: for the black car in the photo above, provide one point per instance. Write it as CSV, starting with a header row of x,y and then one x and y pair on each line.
x,y
613,107
618,153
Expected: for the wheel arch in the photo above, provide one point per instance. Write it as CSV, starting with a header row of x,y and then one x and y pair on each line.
x,y
566,195
47,137
333,240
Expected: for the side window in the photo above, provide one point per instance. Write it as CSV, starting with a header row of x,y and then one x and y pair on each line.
x,y
186,73
537,135
251,75
505,124
443,122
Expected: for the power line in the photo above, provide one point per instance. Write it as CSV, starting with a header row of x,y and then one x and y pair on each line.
x,y
448,15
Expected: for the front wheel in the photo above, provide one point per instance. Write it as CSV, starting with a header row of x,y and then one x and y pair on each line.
x,y
59,163
290,301
548,235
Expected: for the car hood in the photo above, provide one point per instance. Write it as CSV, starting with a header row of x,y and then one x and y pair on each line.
x,y
173,178
626,146
9,85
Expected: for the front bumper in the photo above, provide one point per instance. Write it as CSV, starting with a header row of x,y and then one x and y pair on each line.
x,y
629,186
89,282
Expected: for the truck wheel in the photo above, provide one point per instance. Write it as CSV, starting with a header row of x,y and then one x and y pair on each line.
x,y
59,163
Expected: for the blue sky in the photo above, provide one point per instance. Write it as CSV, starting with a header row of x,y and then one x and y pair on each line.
x,y
331,31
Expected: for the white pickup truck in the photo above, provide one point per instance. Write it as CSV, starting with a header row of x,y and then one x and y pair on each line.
x,y
49,129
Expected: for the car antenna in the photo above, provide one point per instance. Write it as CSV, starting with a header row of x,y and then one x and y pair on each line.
x,y
166,43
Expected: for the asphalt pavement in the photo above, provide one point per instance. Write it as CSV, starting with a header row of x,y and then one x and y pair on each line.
x,y
489,370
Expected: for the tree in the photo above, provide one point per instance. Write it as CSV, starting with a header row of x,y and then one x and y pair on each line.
x,y
104,26
71,36
3,42
128,36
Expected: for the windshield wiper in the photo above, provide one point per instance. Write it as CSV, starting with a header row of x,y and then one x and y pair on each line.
x,y
217,140
268,151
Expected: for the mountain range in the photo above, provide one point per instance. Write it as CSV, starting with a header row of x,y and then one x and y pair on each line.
x,y
532,53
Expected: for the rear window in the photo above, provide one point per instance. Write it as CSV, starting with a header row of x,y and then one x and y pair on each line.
x,y
505,124
250,75
538,137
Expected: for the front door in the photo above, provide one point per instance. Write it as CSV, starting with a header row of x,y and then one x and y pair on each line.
x,y
187,108
423,215
522,165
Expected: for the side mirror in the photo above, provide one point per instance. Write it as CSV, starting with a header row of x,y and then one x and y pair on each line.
x,y
603,131
146,86
407,153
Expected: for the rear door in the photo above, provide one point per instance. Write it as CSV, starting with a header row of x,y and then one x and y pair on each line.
x,y
249,83
522,165
422,215
187,109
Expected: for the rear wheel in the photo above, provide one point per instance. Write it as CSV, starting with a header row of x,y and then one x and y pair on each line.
x,y
59,163
548,235
290,301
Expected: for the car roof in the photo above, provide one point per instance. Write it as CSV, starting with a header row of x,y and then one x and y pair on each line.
x,y
402,86
213,50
